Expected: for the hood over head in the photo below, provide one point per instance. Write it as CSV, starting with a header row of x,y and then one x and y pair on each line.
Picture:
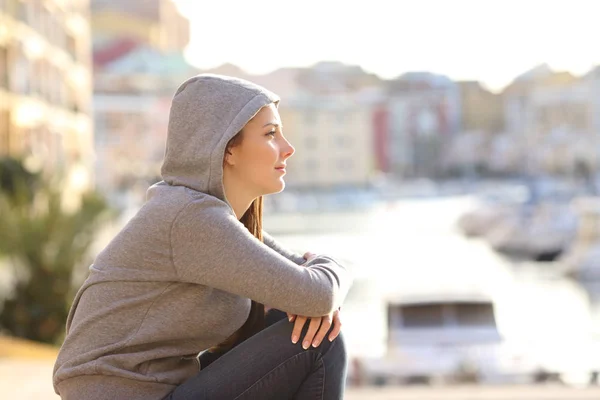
x,y
206,112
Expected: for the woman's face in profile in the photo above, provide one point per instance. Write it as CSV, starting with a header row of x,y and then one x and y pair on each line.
x,y
258,162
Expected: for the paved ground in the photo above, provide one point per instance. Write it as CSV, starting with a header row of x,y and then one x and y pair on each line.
x,y
31,380
26,380
476,393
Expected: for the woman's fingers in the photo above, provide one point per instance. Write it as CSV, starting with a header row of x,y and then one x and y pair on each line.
x,y
291,317
308,256
315,323
298,325
325,325
337,326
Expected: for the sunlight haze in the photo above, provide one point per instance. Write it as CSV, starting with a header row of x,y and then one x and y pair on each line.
x,y
490,41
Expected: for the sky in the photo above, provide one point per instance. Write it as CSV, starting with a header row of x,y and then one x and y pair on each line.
x,y
487,40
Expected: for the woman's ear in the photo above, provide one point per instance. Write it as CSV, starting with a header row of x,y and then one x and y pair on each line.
x,y
228,159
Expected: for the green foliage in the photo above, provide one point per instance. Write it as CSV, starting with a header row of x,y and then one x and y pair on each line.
x,y
45,242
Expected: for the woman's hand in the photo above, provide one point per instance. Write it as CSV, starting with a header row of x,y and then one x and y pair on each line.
x,y
317,328
308,256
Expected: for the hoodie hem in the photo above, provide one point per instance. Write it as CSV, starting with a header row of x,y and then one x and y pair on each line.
x,y
102,387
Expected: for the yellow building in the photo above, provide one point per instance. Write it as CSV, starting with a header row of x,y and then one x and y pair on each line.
x,y
481,110
45,84
333,138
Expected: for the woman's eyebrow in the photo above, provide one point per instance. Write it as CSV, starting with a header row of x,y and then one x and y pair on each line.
x,y
275,124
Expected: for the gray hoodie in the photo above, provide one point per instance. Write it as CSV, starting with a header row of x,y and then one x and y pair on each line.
x,y
179,277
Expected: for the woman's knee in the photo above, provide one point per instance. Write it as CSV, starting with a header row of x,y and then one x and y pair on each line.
x,y
338,345
283,329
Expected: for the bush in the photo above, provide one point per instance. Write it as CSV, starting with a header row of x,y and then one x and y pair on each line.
x,y
44,244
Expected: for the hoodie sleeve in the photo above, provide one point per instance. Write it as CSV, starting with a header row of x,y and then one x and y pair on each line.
x,y
274,245
211,247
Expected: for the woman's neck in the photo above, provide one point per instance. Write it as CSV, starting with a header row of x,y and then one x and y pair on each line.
x,y
238,200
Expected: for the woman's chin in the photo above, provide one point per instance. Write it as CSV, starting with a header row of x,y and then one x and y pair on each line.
x,y
277,187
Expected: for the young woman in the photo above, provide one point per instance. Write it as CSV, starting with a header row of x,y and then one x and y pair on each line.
x,y
192,271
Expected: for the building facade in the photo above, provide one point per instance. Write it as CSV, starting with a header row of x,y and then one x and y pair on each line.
x,y
157,23
138,65
333,139
551,116
424,115
46,85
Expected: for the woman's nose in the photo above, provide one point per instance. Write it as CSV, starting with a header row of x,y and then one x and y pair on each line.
x,y
287,149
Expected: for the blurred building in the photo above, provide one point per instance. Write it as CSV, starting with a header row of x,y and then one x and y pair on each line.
x,y
481,110
332,136
138,65
381,135
552,116
333,77
329,115
329,120
285,82
131,111
157,23
45,85
481,120
424,113
593,79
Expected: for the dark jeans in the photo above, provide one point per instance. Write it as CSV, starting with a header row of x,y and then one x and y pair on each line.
x,y
269,366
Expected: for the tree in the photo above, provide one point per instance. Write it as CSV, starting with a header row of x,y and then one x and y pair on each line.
x,y
44,243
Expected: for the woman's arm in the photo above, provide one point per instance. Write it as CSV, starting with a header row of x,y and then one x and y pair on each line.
x,y
294,257
211,247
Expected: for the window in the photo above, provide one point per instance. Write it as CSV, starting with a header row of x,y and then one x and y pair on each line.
x,y
35,14
423,316
48,83
311,142
70,99
3,67
4,132
113,121
342,141
310,116
345,164
62,91
312,165
72,46
57,31
475,314
21,73
44,21
38,77
22,12
54,84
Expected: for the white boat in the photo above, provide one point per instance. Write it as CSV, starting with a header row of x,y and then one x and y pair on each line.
x,y
495,331
541,232
582,259
448,339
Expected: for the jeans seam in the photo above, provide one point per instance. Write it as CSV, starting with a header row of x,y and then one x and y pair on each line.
x,y
324,376
268,373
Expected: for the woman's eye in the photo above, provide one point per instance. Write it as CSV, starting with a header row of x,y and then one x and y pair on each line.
x,y
271,133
